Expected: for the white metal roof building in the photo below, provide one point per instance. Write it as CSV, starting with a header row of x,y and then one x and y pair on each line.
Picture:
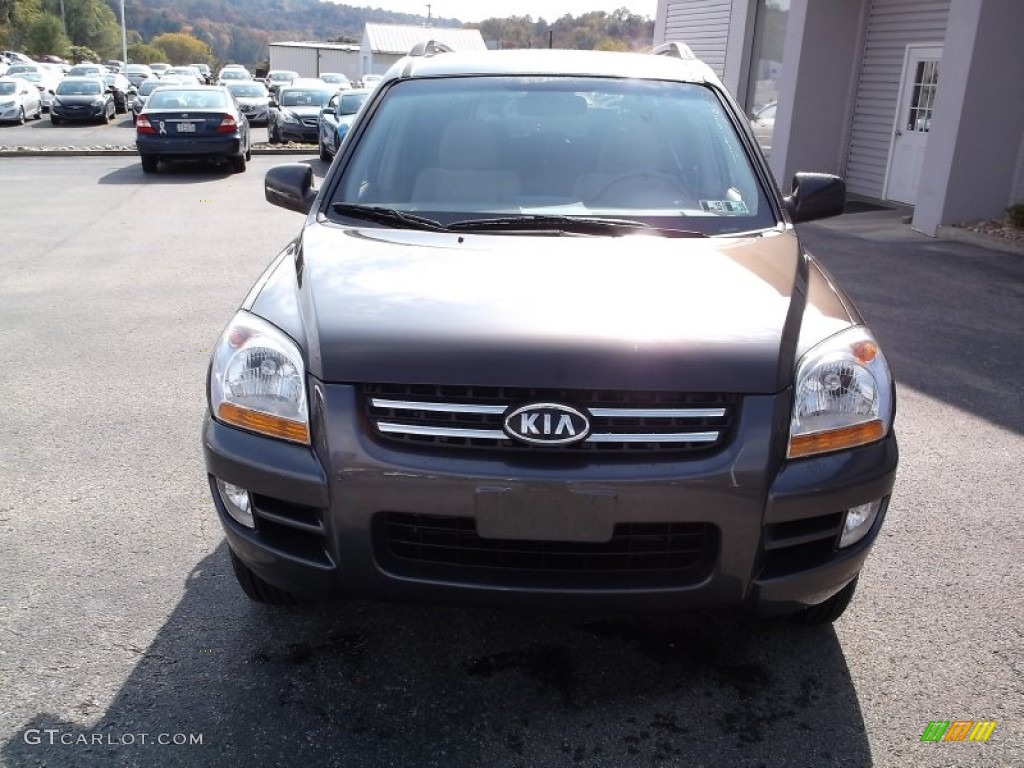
x,y
910,100
311,59
384,44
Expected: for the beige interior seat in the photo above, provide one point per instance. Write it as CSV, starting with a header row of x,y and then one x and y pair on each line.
x,y
469,169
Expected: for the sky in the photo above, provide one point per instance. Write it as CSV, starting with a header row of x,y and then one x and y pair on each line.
x,y
477,10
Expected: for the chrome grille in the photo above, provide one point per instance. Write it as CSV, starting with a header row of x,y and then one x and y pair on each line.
x,y
310,122
621,421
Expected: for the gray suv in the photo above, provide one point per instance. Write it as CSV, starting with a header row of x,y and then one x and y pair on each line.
x,y
548,336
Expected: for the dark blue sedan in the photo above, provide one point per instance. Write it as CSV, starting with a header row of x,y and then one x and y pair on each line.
x,y
192,122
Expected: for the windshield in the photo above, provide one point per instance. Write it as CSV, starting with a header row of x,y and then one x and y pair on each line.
x,y
662,153
79,89
148,85
350,103
247,91
19,69
234,74
303,98
289,76
79,71
335,79
7,89
32,77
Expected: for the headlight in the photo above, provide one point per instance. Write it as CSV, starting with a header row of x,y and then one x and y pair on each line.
x,y
99,102
258,380
288,117
843,396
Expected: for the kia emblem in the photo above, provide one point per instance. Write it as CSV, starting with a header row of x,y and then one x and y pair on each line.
x,y
547,424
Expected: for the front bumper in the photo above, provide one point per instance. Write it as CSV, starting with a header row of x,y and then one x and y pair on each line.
x,y
256,114
299,132
326,516
229,145
79,113
10,113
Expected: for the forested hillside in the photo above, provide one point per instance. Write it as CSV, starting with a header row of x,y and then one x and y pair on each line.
x,y
217,31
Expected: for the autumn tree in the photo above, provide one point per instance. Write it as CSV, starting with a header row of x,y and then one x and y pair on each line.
x,y
182,48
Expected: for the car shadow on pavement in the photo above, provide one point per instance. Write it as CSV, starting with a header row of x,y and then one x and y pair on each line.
x,y
947,314
191,172
370,684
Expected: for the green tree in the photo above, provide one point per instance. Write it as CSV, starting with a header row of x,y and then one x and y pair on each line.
x,y
45,34
182,48
90,23
141,53
80,53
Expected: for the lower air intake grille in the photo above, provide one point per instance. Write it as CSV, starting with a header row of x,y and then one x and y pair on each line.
x,y
638,555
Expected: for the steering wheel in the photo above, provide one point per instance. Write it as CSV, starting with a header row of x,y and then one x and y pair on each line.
x,y
659,188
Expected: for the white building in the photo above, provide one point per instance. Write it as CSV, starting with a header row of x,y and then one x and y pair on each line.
x,y
913,101
384,44
312,59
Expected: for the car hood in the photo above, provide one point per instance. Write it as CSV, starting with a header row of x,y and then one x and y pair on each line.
x,y
83,99
637,312
303,111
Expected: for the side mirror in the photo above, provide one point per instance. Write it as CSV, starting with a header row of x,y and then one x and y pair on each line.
x,y
815,196
327,110
290,186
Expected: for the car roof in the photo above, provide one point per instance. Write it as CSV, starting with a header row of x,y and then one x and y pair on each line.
x,y
563,63
83,79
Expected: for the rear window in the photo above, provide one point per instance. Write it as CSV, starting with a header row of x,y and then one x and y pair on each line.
x,y
665,153
79,89
350,103
7,89
303,98
170,99
148,86
247,91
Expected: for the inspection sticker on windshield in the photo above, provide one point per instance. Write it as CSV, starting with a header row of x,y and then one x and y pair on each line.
x,y
725,207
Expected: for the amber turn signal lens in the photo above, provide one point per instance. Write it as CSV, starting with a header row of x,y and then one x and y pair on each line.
x,y
264,423
835,439
865,351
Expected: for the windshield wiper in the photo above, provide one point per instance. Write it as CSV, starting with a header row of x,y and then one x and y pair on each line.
x,y
387,216
583,225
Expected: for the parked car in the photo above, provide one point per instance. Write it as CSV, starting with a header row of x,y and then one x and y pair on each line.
x,y
204,70
123,91
137,73
192,122
19,100
22,68
295,115
277,77
46,81
253,99
336,118
763,125
86,69
14,57
114,65
371,81
159,68
190,74
82,99
527,348
337,79
233,74
144,92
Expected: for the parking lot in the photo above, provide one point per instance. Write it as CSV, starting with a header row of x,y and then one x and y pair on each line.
x,y
121,623
119,133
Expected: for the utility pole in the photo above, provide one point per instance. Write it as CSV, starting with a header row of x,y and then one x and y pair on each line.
x,y
124,37
430,14
63,18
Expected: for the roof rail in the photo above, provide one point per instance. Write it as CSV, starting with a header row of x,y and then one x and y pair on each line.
x,y
429,48
674,49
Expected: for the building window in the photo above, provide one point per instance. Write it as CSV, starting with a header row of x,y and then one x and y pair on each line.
x,y
766,67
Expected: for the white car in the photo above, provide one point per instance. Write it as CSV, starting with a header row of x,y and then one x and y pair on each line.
x,y
19,100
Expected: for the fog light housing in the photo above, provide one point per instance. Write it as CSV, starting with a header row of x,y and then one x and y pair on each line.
x,y
858,522
237,502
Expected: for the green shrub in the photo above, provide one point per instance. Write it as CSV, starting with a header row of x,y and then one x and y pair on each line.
x,y
1016,215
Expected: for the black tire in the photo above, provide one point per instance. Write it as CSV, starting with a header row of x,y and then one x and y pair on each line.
x,y
39,114
830,610
238,164
149,164
21,116
248,150
112,115
273,135
324,154
54,119
256,589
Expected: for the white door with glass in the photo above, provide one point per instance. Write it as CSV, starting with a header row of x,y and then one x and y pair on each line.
x,y
913,121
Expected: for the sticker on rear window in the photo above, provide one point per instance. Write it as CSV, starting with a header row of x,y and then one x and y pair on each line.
x,y
725,207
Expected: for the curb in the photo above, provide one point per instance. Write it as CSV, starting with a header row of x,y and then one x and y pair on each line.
x,y
946,232
129,151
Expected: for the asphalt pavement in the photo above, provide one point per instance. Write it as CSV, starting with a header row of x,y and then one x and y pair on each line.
x,y
124,639
44,134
